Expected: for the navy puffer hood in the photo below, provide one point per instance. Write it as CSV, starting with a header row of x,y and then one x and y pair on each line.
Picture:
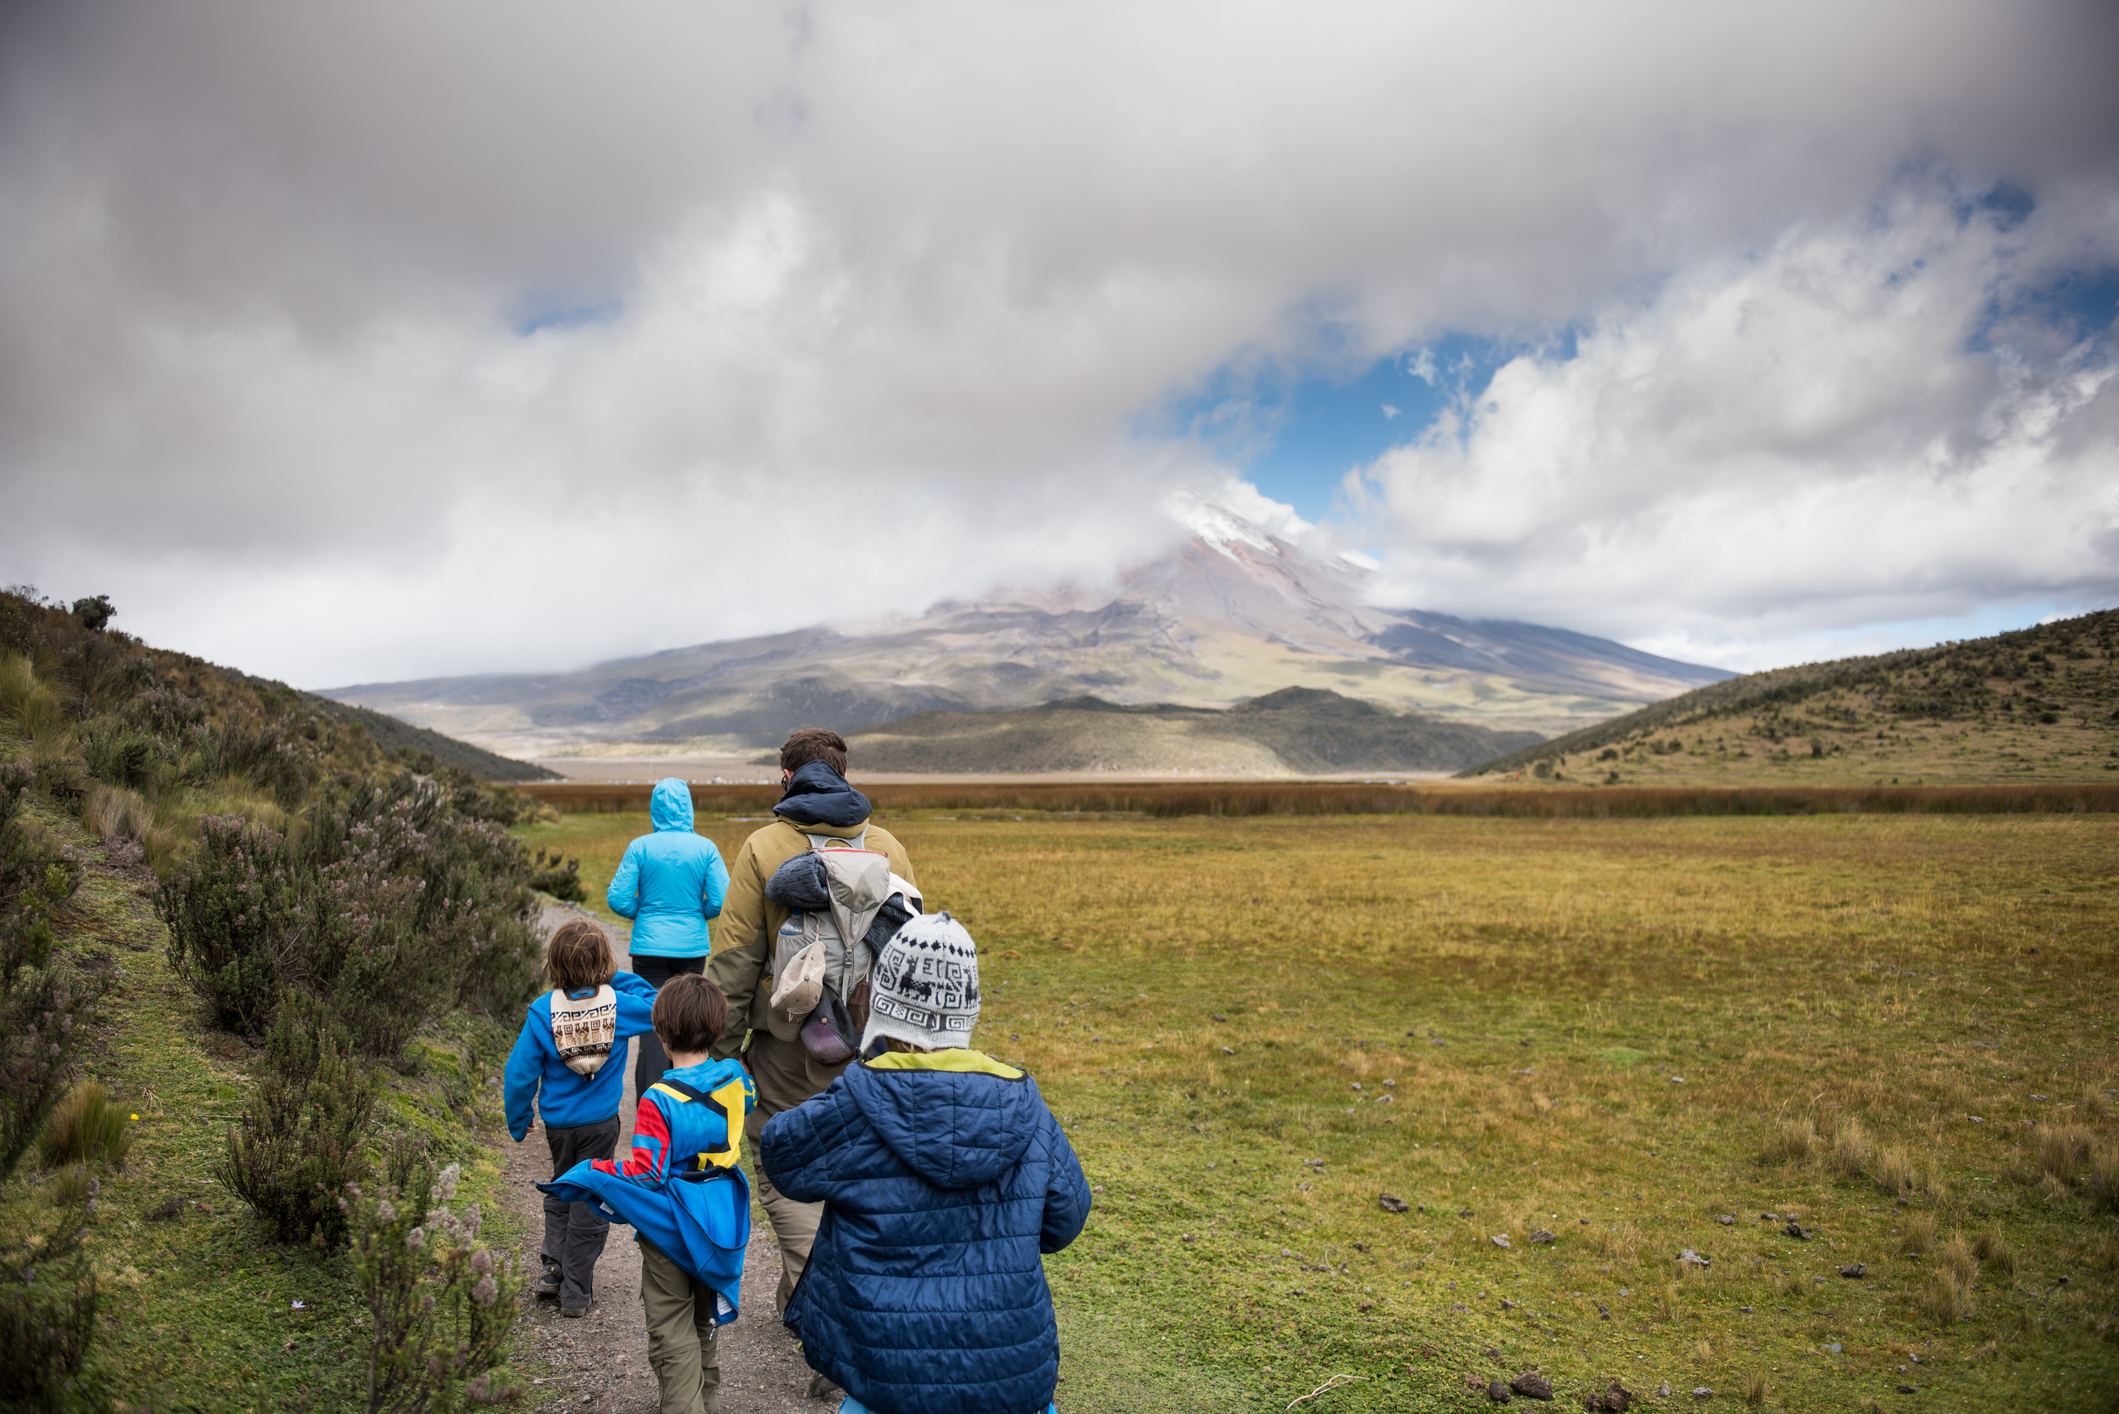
x,y
818,795
954,1130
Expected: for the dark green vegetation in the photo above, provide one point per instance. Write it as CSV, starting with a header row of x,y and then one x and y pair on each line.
x,y
1612,1031
396,738
179,1242
1169,800
1295,731
2038,704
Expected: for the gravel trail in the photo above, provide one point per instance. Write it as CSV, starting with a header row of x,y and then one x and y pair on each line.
x,y
600,1361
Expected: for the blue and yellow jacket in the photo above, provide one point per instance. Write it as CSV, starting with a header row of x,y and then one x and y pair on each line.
x,y
680,1187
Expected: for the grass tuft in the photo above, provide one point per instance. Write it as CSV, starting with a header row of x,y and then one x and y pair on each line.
x,y
1796,1142
1994,1253
1957,1258
1946,1298
2101,1176
1755,1391
1850,1148
2062,1150
1920,1232
1893,1171
87,1127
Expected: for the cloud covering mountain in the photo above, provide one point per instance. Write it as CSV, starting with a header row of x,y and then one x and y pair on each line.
x,y
394,339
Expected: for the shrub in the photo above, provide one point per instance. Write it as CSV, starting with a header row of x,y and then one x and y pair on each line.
x,y
88,1126
236,917
441,1306
561,879
299,1142
48,1302
121,754
42,997
95,612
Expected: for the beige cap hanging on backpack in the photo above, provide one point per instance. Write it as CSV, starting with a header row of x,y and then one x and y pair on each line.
x,y
797,991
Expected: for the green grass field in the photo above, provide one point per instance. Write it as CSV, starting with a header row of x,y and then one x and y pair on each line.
x,y
1612,1031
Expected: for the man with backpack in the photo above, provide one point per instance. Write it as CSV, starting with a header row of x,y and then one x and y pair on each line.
x,y
818,811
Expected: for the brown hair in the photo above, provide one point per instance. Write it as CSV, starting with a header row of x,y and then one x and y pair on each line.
x,y
690,1013
578,956
814,744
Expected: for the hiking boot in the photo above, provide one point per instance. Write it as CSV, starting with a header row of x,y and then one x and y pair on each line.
x,y
821,1387
574,1312
547,1285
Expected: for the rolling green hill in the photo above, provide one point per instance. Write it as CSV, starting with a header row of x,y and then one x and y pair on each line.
x,y
2037,704
394,736
1296,731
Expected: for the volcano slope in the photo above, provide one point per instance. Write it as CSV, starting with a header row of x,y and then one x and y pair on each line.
x,y
1607,1042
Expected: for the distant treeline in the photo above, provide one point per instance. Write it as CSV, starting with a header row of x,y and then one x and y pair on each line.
x,y
1165,799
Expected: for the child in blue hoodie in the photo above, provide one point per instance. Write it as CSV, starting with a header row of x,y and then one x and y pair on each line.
x,y
569,1063
670,883
945,1180
684,1194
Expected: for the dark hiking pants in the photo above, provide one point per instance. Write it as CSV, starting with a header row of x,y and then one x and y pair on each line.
x,y
653,1060
574,1233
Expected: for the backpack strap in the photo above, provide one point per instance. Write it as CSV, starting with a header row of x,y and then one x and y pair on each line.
x,y
726,1157
859,841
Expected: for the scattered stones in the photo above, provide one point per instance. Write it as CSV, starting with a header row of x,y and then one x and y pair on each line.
x,y
1500,1239
1743,1310
1834,1348
167,1210
1507,1305
1531,1385
1544,1237
1366,1306
1458,1306
1228,1050
1677,1080
1703,1393
1357,1085
1727,1220
1909,1389
1188,1238
1218,1016
1662,1391
1464,1212
1317,1164
1603,1311
1615,1400
1690,1258
1497,1392
1854,1271
1391,1203
1769,1217
1493,1353
1797,1231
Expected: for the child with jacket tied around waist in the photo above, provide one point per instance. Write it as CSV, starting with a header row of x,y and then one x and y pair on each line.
x,y
945,1180
681,1189
569,1062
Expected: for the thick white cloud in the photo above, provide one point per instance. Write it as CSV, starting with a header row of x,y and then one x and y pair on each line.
x,y
1854,426
366,341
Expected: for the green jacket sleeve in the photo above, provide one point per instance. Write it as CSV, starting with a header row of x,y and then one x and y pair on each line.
x,y
739,963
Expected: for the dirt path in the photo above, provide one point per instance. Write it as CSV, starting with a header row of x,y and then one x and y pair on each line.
x,y
600,1361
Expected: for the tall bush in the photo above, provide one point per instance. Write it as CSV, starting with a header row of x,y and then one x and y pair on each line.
x,y
299,1142
439,1303
237,916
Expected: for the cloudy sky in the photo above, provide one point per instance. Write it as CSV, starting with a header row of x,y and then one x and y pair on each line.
x,y
370,341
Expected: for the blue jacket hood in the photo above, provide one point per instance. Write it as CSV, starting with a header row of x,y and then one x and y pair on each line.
x,y
953,1129
818,795
671,806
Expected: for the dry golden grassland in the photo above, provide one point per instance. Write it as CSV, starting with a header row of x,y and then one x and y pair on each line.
x,y
1895,1033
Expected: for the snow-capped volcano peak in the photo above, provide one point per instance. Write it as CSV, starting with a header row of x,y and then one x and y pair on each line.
x,y
1236,513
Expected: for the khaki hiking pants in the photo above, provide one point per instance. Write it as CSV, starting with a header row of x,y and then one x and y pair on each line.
x,y
794,1228
682,1347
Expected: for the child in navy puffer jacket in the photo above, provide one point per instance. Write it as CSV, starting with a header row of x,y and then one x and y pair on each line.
x,y
945,1179
569,1063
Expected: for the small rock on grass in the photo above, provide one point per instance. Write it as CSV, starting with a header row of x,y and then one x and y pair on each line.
x,y
1703,1393
1690,1258
1854,1271
1616,1400
1500,1239
1542,1236
1531,1385
1797,1231
1391,1203
1497,1392
1727,1220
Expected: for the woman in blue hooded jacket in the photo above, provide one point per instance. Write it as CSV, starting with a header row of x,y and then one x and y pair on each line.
x,y
669,883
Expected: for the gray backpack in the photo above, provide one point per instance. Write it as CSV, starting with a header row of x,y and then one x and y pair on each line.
x,y
842,897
